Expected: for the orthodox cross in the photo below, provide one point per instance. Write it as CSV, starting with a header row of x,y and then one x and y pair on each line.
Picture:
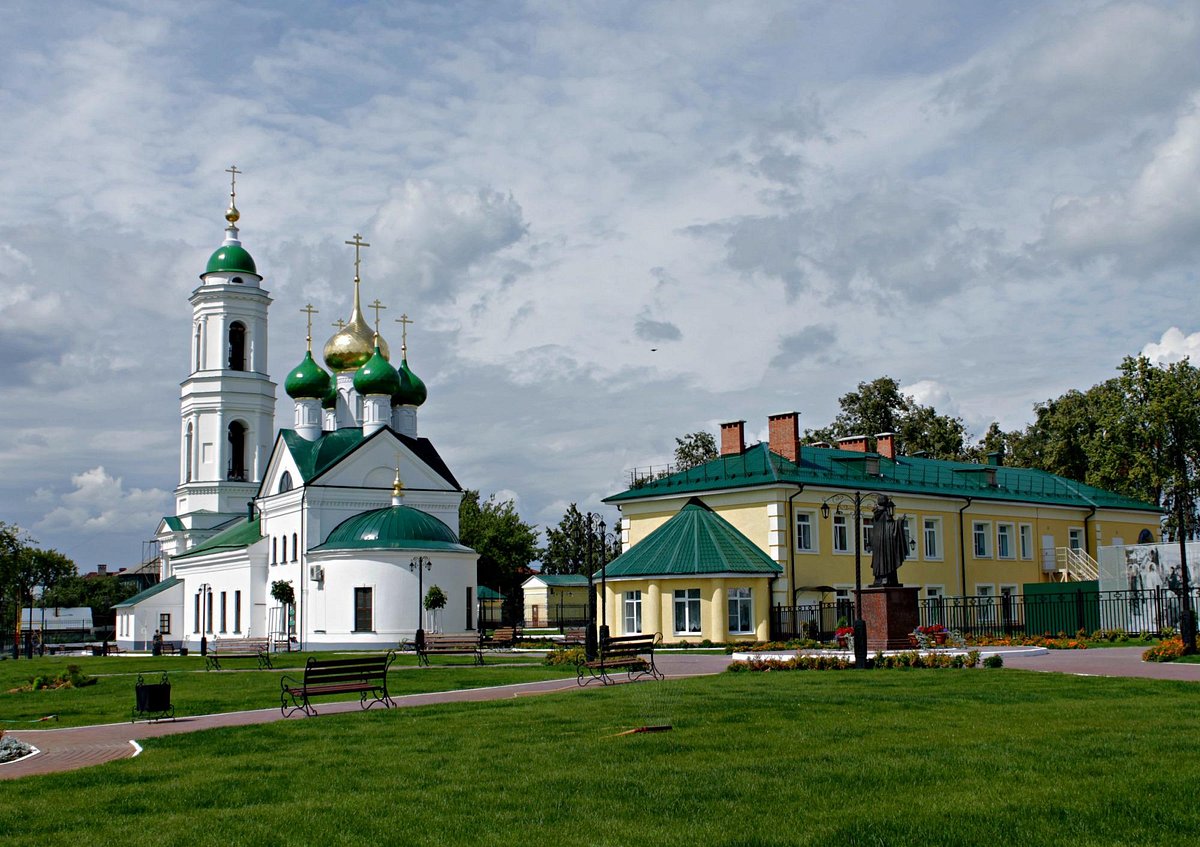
x,y
311,311
404,321
378,307
233,171
358,245
340,324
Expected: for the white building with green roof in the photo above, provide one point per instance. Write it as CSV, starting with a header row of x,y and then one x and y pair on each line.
x,y
351,506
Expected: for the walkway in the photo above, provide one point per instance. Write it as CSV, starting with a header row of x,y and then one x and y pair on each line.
x,y
79,747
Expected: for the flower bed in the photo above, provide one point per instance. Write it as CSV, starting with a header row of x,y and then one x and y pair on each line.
x,y
907,659
1168,650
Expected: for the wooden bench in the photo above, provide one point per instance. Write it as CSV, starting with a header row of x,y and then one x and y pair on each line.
x,y
574,636
503,637
633,654
238,648
366,675
466,644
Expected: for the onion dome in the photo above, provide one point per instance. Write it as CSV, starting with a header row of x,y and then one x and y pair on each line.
x,y
393,527
377,376
231,256
412,390
308,381
350,347
329,401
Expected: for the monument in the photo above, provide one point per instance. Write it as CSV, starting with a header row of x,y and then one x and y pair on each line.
x,y
889,608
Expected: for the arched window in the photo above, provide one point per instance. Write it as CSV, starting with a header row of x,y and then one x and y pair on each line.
x,y
274,550
187,454
237,451
284,559
237,346
295,547
285,482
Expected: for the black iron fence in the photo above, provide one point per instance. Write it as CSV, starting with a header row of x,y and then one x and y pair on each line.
x,y
558,616
1044,613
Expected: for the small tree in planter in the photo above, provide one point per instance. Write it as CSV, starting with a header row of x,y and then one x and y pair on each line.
x,y
435,599
283,592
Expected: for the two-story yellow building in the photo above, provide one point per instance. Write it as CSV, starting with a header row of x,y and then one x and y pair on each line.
x,y
710,550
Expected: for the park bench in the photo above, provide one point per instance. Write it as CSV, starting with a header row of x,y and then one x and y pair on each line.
x,y
503,637
366,675
574,636
466,644
633,654
237,648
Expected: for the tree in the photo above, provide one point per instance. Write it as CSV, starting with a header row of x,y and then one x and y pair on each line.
x,y
694,449
879,406
505,543
434,602
283,592
99,593
22,566
567,548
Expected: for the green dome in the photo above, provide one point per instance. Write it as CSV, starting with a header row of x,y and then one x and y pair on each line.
x,y
308,381
392,527
412,391
231,258
377,376
329,401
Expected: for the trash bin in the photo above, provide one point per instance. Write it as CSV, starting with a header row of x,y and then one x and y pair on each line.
x,y
152,700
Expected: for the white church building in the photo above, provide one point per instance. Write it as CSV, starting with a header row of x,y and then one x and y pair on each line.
x,y
352,508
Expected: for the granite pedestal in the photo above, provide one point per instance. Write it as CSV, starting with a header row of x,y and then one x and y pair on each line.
x,y
891,614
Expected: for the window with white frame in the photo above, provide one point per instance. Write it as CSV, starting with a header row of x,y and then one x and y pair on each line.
x,y
935,608
841,535
1009,610
687,611
805,540
633,612
984,602
740,610
980,531
1075,538
1004,541
933,538
867,525
1026,536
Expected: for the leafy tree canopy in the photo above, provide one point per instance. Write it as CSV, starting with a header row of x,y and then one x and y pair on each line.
x,y
879,406
694,449
505,543
568,550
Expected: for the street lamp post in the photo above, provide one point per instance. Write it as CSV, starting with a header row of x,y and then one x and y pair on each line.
x,y
590,645
603,583
419,565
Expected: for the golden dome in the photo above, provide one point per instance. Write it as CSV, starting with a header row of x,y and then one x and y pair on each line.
x,y
351,346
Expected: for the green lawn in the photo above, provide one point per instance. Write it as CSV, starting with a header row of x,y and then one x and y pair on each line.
x,y
836,758
195,691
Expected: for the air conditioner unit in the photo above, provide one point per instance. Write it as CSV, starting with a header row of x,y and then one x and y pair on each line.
x,y
316,573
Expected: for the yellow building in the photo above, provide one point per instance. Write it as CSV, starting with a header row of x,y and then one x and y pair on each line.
x,y
975,530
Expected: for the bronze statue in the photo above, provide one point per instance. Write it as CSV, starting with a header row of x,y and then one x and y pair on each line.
x,y
889,547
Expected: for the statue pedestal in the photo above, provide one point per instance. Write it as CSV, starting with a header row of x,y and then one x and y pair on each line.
x,y
891,614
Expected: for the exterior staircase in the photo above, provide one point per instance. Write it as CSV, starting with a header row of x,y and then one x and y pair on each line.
x,y
1073,564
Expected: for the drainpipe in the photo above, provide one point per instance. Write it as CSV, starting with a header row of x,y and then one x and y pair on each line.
x,y
1087,544
962,548
303,557
791,543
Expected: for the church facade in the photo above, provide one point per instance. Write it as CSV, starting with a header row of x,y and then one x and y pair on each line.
x,y
327,535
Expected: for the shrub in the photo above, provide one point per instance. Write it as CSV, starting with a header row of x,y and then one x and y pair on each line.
x,y
1167,650
568,656
994,661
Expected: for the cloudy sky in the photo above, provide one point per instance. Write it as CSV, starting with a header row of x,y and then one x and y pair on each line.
x,y
614,223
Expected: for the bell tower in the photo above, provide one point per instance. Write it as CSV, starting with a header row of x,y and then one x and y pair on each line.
x,y
227,403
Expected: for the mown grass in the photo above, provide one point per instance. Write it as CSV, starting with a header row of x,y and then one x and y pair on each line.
x,y
195,691
885,758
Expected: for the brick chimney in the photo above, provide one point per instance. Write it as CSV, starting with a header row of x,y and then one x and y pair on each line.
x,y
856,443
733,438
885,444
783,435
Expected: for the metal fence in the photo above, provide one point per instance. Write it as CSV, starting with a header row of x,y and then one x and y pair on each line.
x,y
1067,611
559,616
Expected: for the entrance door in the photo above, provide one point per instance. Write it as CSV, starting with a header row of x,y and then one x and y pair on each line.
x,y
1049,560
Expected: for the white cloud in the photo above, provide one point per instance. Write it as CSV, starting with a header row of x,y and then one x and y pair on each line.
x,y
1173,347
100,503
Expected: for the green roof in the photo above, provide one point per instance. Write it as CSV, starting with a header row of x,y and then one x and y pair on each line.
x,y
832,468
696,540
376,376
314,457
173,523
562,580
393,527
157,588
231,258
308,380
241,534
485,593
412,391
